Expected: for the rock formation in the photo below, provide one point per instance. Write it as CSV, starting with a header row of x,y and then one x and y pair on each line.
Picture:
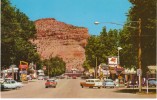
x,y
56,38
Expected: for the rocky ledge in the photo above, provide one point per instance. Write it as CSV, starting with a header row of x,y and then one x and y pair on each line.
x,y
56,38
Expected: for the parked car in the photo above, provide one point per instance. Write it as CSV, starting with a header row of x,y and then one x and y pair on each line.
x,y
132,83
29,77
108,83
51,83
7,85
40,77
91,83
46,77
152,82
11,84
1,80
73,77
18,84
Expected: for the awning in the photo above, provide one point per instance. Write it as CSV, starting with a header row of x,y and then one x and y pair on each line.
x,y
130,71
152,69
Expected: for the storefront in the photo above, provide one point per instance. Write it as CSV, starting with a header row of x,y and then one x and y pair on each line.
x,y
12,72
151,71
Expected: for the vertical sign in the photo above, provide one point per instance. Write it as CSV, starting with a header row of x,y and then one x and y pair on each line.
x,y
112,61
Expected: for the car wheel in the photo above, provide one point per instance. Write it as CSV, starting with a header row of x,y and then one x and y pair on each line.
x,y
98,87
18,87
46,86
82,86
90,87
54,86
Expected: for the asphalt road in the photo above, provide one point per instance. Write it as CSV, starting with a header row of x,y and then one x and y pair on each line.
x,y
68,88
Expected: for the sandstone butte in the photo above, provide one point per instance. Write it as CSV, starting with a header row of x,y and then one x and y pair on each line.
x,y
66,41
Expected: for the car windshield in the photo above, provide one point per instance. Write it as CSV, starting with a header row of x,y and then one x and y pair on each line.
x,y
97,80
12,81
109,80
50,80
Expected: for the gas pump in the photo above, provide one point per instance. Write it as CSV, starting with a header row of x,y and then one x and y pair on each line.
x,y
23,71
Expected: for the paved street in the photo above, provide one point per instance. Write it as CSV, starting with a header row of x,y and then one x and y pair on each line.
x,y
68,88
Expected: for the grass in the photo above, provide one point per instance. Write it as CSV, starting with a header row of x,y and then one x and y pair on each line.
x,y
136,91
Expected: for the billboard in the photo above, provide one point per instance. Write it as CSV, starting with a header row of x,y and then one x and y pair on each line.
x,y
112,60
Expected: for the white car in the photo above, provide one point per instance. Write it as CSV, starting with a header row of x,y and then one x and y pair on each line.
x,y
91,83
7,85
11,84
40,77
17,84
1,80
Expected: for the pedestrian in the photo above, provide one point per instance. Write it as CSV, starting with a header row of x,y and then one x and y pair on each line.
x,y
143,81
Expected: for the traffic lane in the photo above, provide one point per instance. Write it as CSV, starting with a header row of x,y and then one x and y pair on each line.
x,y
30,90
67,88
70,88
37,89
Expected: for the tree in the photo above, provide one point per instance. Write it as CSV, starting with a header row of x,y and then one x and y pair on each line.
x,y
128,51
101,47
17,29
145,10
55,66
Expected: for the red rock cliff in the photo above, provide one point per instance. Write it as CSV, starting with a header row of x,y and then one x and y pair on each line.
x,y
56,38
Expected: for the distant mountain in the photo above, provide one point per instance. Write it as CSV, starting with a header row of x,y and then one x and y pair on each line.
x,y
56,38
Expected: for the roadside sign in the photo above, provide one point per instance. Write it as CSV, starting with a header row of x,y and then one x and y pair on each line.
x,y
113,61
139,72
44,67
106,72
23,72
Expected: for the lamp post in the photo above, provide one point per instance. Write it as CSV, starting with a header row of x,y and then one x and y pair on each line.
x,y
119,48
12,59
139,45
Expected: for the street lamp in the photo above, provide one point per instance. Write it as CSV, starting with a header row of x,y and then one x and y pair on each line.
x,y
119,48
139,46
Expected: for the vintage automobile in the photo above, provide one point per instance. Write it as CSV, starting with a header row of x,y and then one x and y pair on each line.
x,y
29,77
46,77
11,84
73,77
1,80
41,77
152,82
108,83
18,84
51,83
91,83
132,83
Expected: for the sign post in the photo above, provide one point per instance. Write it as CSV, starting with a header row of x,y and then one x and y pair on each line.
x,y
139,74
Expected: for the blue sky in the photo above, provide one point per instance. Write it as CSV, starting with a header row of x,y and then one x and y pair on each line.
x,y
81,13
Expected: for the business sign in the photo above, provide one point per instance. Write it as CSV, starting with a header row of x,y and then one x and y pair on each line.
x,y
139,72
23,66
113,61
23,72
44,67
106,72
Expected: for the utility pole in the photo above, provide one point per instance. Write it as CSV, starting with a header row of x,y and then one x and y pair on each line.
x,y
96,67
139,54
48,69
12,59
12,72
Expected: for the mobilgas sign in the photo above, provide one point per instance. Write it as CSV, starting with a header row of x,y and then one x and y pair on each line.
x,y
112,61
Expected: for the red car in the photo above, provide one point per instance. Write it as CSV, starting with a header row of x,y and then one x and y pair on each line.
x,y
51,83
73,77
